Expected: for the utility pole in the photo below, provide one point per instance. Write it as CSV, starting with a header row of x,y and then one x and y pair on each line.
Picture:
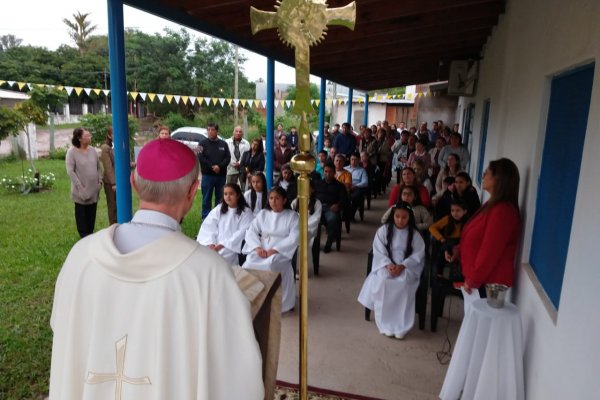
x,y
235,87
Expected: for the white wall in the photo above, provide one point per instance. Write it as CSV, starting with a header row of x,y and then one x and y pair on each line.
x,y
535,40
376,113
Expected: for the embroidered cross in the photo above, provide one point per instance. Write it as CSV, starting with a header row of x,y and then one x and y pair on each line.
x,y
95,378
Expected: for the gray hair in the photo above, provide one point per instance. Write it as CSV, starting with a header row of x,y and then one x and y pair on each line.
x,y
165,192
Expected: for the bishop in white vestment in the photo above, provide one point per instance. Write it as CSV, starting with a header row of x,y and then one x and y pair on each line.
x,y
227,229
393,299
141,311
279,231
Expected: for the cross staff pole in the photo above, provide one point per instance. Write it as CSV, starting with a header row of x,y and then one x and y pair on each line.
x,y
302,24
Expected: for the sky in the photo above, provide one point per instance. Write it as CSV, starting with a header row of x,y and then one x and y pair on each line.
x,y
39,23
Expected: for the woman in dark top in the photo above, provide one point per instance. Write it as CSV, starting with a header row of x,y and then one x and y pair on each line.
x,y
253,161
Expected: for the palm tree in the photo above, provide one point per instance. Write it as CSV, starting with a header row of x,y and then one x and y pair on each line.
x,y
80,29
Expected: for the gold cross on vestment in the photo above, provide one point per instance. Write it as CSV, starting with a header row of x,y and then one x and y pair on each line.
x,y
95,378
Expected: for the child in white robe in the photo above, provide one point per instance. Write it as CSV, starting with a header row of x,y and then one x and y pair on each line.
x,y
314,218
256,197
271,242
398,260
224,228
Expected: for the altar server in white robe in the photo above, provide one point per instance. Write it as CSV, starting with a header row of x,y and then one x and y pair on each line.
x,y
224,228
398,259
141,311
271,242
257,197
314,217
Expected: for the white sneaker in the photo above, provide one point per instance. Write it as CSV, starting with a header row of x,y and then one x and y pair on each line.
x,y
399,337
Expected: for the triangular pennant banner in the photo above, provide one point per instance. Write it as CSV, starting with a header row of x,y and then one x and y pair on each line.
x,y
229,102
177,98
143,95
11,83
221,101
184,99
243,101
69,89
193,100
87,91
2,83
312,102
236,102
293,102
106,92
317,102
152,96
169,98
133,95
328,102
264,103
207,100
21,85
256,103
214,101
97,91
28,86
78,90
160,97
288,103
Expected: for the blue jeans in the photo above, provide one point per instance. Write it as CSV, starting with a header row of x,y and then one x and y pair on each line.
x,y
211,184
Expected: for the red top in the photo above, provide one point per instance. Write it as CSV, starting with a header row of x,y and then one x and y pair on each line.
x,y
423,196
488,245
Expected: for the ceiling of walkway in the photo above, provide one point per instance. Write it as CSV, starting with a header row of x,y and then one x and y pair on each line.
x,y
394,43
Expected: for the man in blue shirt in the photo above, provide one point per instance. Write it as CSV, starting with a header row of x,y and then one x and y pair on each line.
x,y
345,143
360,182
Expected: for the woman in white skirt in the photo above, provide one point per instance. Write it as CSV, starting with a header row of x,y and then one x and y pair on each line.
x,y
224,228
272,240
398,259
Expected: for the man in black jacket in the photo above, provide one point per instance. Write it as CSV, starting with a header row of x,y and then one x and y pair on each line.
x,y
332,195
213,154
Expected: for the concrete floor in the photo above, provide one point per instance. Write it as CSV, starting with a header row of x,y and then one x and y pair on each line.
x,y
347,353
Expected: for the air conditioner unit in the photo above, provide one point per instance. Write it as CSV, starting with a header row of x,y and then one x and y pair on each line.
x,y
463,77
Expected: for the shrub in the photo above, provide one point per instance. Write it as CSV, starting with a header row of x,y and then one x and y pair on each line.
x,y
28,183
176,121
58,154
98,125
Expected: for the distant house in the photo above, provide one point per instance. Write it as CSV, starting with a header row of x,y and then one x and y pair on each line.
x,y
10,99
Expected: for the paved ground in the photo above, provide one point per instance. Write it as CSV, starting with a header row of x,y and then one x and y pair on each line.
x,y
62,138
347,353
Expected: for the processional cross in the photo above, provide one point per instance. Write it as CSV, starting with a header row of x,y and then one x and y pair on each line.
x,y
302,24
119,377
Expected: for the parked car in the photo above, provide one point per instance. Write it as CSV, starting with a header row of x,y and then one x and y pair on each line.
x,y
191,136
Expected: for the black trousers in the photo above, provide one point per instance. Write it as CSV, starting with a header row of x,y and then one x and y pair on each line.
x,y
85,218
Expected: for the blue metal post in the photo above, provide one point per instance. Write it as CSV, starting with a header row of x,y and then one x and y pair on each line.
x,y
118,94
366,121
350,96
270,120
322,114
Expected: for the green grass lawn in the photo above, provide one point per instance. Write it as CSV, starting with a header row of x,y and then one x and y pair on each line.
x,y
36,233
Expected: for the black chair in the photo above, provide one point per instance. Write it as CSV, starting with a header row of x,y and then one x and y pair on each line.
x,y
441,287
420,296
315,253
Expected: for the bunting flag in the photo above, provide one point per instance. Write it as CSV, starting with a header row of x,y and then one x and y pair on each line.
x,y
206,101
176,98
256,103
97,91
236,102
281,103
2,83
169,98
184,100
69,89
318,102
328,102
160,97
151,96
229,102
143,95
288,103
21,85
87,91
11,83
193,100
134,95
28,86
221,101
243,101
78,90
106,92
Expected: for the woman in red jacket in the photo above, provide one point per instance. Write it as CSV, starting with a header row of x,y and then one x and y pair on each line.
x,y
488,244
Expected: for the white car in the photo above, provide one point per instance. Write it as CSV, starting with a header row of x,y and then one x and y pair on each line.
x,y
191,136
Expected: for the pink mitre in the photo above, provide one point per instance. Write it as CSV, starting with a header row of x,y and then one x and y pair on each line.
x,y
163,160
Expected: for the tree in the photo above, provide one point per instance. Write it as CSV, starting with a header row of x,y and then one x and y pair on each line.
x,y
50,99
11,122
314,92
9,41
79,30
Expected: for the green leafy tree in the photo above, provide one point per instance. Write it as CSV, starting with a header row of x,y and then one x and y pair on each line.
x,y
80,29
50,99
9,41
30,64
314,92
34,114
11,122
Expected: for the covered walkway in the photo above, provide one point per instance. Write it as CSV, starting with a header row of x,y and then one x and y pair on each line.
x,y
348,354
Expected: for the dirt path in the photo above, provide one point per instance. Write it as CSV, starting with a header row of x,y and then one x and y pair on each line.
x,y
62,137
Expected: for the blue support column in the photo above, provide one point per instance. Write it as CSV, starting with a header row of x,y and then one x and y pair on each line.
x,y
366,121
118,94
270,120
350,96
322,114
